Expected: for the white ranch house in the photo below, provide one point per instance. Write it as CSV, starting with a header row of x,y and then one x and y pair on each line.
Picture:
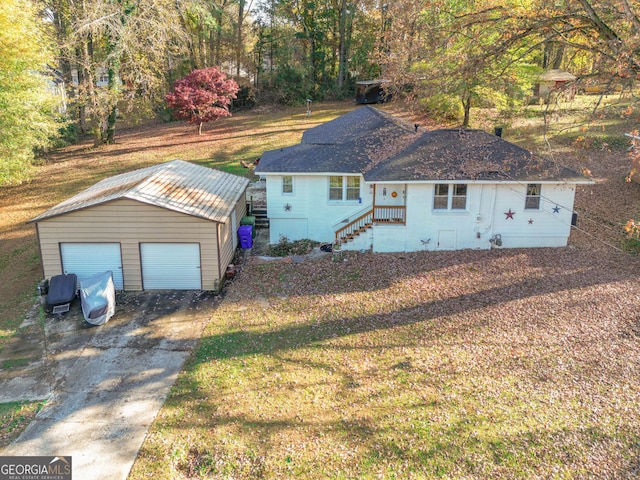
x,y
367,180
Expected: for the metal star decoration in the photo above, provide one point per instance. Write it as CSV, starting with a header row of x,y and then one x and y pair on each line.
x,y
556,209
509,214
287,207
531,221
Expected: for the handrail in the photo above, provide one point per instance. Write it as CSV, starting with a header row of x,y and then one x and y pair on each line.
x,y
350,229
356,213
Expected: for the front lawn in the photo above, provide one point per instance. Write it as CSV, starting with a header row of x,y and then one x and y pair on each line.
x,y
500,364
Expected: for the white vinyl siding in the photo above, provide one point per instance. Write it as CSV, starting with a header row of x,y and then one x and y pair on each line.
x,y
88,259
170,266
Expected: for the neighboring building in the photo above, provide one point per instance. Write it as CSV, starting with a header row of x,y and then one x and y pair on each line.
x,y
101,77
367,180
371,91
57,88
169,226
553,81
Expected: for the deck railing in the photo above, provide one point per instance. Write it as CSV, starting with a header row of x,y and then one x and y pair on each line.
x,y
389,214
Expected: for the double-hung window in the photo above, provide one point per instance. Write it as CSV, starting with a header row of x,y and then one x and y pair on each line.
x,y
532,199
344,188
450,196
287,185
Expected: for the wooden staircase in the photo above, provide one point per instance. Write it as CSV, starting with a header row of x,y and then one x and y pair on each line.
x,y
386,215
354,228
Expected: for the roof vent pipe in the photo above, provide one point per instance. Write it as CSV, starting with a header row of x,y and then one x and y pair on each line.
x,y
498,131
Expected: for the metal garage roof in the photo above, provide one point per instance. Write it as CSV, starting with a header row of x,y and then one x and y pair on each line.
x,y
176,185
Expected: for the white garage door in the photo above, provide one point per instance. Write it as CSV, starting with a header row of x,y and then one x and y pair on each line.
x,y
170,266
87,259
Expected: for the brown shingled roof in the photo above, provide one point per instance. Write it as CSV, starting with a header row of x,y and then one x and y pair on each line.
x,y
386,149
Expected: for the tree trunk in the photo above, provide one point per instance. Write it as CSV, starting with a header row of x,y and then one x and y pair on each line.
x,y
240,44
557,62
218,38
114,87
111,125
631,16
82,108
466,103
200,128
342,57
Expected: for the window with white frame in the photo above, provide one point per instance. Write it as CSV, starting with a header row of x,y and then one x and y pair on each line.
x,y
450,196
532,200
344,188
441,197
287,185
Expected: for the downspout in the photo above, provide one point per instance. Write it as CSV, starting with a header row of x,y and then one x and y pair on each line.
x,y
493,212
219,259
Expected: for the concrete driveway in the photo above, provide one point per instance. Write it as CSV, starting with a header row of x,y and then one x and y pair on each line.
x,y
104,385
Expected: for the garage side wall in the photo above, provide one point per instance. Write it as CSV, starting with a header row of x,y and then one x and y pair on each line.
x,y
130,223
228,232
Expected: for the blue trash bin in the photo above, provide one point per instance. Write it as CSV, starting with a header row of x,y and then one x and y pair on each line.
x,y
245,236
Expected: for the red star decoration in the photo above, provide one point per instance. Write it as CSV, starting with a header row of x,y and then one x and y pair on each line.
x,y
509,214
531,221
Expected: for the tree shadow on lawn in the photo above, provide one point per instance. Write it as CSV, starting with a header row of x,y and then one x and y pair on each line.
x,y
481,443
408,433
245,343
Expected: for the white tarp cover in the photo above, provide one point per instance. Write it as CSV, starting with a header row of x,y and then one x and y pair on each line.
x,y
98,298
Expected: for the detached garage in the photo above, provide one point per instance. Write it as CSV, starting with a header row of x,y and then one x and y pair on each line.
x,y
169,226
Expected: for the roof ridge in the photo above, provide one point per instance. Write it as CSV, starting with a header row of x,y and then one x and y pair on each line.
x,y
393,119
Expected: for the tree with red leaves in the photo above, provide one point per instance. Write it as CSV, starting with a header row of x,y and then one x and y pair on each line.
x,y
202,96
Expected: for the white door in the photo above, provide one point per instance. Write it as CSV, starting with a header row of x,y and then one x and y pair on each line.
x,y
87,259
170,266
446,240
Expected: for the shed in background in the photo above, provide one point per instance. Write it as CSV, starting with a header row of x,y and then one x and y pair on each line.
x,y
555,81
372,91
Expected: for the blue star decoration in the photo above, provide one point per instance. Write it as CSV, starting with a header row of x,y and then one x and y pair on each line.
x,y
287,207
556,209
509,214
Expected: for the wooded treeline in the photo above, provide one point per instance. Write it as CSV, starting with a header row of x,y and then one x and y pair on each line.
x,y
115,57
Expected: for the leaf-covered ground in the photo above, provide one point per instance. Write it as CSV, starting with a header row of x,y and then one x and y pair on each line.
x,y
507,364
